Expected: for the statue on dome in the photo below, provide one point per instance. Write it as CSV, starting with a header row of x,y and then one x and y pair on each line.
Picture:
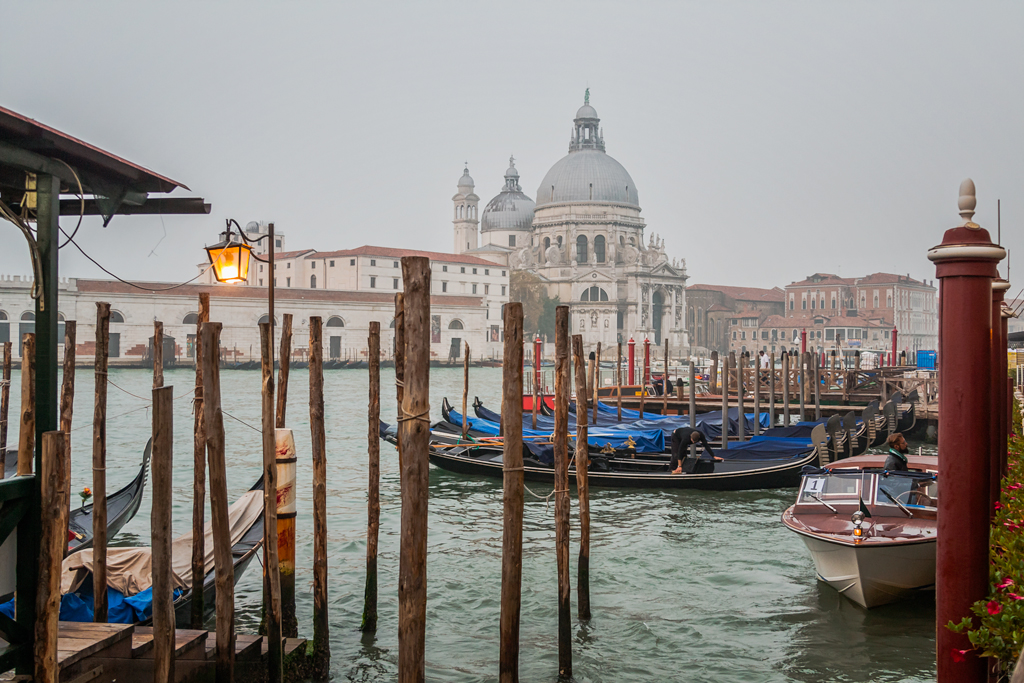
x,y
586,96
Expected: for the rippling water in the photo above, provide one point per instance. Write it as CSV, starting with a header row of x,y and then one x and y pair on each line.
x,y
685,585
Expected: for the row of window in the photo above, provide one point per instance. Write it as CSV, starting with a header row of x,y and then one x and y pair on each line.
x,y
462,269
831,334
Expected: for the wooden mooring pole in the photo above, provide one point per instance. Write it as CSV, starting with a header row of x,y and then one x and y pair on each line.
x,y
414,434
285,523
225,572
561,492
714,370
537,393
665,386
373,487
158,354
582,488
67,406
785,388
465,391
802,385
272,580
512,498
725,403
741,416
53,544
5,406
99,466
589,387
755,371
199,473
160,525
816,374
400,367
692,408
618,384
27,427
595,384
771,392
321,623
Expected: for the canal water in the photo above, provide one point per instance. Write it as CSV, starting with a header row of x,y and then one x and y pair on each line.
x,y
685,585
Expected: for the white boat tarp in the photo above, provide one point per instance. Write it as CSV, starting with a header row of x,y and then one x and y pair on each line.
x,y
130,570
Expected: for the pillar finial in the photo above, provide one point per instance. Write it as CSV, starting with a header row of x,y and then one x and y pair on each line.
x,y
967,202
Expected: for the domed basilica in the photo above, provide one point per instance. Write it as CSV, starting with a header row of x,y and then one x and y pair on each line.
x,y
584,237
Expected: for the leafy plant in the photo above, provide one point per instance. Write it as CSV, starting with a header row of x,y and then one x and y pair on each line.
x,y
999,628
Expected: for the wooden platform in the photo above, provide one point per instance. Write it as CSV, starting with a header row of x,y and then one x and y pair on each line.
x,y
100,653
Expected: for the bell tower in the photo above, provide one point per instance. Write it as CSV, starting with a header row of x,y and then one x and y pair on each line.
x,y
465,218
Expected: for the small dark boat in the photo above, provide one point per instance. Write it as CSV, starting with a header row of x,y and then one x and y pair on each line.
x,y
122,505
761,463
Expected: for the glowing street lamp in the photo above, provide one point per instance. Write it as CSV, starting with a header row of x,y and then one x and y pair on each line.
x,y
230,260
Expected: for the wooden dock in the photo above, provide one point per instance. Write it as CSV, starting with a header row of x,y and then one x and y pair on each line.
x,y
101,653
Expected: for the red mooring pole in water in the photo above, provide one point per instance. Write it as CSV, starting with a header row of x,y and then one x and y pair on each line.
x,y
536,365
895,355
647,362
965,265
632,361
803,342
998,391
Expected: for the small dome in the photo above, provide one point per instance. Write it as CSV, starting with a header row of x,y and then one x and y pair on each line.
x,y
586,112
511,209
466,180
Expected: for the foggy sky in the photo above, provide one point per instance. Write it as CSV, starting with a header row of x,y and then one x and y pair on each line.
x,y
767,141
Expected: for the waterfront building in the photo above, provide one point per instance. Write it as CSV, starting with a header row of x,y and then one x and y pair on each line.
x,y
712,310
584,239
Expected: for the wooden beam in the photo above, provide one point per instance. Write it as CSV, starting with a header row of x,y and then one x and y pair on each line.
x,y
54,513
27,429
561,492
272,606
199,473
67,404
165,206
373,485
160,529
321,623
582,489
99,465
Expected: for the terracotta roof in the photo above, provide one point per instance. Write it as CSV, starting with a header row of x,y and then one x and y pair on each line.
x,y
819,279
777,321
890,278
280,255
744,293
247,292
714,308
389,252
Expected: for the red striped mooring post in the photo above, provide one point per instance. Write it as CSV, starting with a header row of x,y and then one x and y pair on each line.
x,y
998,389
632,362
965,263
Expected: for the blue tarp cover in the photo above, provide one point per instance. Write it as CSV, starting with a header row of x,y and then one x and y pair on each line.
x,y
120,609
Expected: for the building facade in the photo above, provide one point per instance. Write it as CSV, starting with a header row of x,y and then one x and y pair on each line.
x,y
584,238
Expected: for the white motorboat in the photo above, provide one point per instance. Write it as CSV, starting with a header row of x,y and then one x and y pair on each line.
x,y
871,532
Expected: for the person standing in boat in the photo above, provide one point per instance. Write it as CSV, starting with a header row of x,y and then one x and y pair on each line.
x,y
681,440
898,449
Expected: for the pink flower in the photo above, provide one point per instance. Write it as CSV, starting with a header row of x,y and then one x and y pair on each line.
x,y
958,655
1015,596
1013,487
1005,582
999,506
994,607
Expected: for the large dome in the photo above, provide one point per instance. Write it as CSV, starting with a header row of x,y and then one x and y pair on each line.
x,y
587,175
511,209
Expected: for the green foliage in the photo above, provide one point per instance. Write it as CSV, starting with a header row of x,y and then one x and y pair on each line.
x,y
538,309
997,629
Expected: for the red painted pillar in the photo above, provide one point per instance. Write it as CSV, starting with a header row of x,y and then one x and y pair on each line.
x,y
803,342
632,361
536,364
1004,364
894,355
647,362
998,392
965,265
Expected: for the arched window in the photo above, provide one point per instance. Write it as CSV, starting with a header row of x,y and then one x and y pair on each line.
x,y
190,319
5,327
547,243
26,326
581,249
599,248
456,325
116,317
392,325
266,319
594,294
335,321
312,281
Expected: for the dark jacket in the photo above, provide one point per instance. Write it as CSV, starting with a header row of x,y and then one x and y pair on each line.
x,y
896,462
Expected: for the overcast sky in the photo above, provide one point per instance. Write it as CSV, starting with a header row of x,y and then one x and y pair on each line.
x,y
767,140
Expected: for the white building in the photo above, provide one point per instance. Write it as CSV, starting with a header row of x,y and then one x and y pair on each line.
x,y
584,237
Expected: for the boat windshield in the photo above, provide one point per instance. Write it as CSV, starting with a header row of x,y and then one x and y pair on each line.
x,y
834,488
912,491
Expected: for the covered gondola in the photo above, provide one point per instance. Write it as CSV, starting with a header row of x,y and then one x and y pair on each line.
x,y
122,505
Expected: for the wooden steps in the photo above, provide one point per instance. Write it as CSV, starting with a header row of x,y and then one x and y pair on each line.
x,y
102,653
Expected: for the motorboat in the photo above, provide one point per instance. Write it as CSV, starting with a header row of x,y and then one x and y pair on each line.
x,y
871,532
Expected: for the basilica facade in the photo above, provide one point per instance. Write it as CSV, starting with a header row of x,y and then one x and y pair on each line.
x,y
584,238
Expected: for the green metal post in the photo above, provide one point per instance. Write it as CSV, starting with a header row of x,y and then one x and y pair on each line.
x,y
30,528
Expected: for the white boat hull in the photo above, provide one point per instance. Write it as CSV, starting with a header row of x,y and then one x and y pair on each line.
x,y
871,574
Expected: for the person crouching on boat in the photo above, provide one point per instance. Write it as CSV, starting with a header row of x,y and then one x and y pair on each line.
x,y
898,449
681,440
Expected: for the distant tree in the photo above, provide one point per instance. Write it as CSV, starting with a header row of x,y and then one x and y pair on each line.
x,y
538,309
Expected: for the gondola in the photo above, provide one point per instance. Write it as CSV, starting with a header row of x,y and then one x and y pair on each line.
x,y
747,467
122,505
76,602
